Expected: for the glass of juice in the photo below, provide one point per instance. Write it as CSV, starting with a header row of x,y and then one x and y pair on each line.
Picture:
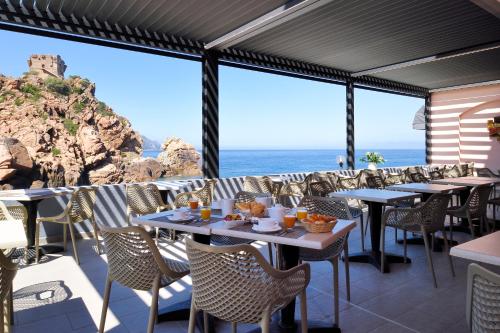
x,y
205,213
301,213
193,204
289,221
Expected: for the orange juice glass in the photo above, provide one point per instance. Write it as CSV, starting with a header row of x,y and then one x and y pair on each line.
x,y
205,213
289,221
301,213
193,204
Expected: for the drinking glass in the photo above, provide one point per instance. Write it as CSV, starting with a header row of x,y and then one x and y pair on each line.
x,y
193,204
205,213
301,213
289,221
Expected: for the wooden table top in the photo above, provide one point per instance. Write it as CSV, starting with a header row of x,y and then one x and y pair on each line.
x,y
484,249
298,236
425,188
374,195
467,181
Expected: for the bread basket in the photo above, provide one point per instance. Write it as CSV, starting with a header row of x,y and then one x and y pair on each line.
x,y
319,227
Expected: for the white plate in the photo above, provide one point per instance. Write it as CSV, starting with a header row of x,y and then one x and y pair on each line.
x,y
255,227
234,223
173,219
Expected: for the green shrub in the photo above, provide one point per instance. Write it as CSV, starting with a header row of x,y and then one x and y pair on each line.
x,y
31,72
2,98
70,126
102,109
78,107
85,83
56,151
31,90
18,101
77,90
58,86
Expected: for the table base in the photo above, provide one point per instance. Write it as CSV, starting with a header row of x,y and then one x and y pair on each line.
x,y
374,258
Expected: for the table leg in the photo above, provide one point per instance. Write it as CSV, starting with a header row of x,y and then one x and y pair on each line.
x,y
181,310
374,256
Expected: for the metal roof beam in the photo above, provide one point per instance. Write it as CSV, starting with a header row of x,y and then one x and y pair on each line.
x,y
437,57
265,22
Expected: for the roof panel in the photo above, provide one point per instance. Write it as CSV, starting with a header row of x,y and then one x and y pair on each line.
x,y
467,69
358,35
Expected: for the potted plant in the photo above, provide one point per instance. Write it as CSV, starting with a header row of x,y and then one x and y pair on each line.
x,y
372,159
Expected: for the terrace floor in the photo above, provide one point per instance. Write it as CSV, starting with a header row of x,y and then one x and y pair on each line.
x,y
59,296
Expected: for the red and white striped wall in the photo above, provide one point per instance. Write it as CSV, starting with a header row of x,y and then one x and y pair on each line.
x,y
459,126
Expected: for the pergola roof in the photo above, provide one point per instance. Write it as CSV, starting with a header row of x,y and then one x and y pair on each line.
x,y
404,45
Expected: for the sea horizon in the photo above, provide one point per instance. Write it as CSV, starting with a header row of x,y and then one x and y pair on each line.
x,y
246,162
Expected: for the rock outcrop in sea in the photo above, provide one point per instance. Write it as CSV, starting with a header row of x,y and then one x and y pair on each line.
x,y
55,132
179,158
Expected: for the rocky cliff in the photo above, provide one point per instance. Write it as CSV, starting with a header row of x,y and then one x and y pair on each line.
x,y
71,137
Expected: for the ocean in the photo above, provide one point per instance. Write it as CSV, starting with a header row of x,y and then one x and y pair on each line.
x,y
264,162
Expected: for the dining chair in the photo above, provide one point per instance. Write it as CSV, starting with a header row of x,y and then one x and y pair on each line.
x,y
258,184
321,188
205,194
13,219
79,208
7,272
339,208
475,208
485,172
292,192
495,202
452,172
236,284
426,218
134,261
483,300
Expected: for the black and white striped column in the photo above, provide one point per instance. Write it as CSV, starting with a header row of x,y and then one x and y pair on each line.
x,y
210,114
427,115
349,93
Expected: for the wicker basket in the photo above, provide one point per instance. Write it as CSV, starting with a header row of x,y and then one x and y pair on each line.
x,y
319,227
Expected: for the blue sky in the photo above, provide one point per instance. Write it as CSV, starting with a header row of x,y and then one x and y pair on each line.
x,y
162,97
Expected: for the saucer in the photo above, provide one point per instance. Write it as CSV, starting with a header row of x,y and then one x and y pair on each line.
x,y
173,219
256,227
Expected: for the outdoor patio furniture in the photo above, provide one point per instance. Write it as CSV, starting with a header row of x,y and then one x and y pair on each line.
x,y
236,284
340,209
7,272
349,183
255,184
474,209
80,208
13,225
453,172
134,261
204,194
320,188
417,177
427,218
436,174
494,202
485,172
483,299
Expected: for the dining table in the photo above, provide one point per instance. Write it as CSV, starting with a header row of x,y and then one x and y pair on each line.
x,y
485,249
289,243
376,199
30,198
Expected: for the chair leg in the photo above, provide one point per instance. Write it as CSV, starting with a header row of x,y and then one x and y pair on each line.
x,y
37,241
347,273
451,229
4,325
447,249
153,312
270,251
96,235
72,233
405,247
105,303
429,257
471,225
10,303
303,311
192,317
266,321
234,327
335,263
363,231
65,236
396,235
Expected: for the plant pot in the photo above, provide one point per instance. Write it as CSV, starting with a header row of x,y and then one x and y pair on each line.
x,y
372,166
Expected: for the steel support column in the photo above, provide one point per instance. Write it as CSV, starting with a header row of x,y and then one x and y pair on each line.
x,y
349,94
210,114
427,115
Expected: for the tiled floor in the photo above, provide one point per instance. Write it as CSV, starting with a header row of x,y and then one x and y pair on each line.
x,y
60,296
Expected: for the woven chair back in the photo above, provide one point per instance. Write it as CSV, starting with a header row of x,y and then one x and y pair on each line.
x,y
434,210
452,172
326,206
320,188
16,212
485,172
130,258
244,196
418,177
374,182
82,204
143,199
483,300
235,283
262,184
477,202
7,272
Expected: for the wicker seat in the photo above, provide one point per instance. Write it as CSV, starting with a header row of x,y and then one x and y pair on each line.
x,y
474,209
134,261
80,208
17,216
204,194
483,300
7,272
236,284
426,218
340,209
